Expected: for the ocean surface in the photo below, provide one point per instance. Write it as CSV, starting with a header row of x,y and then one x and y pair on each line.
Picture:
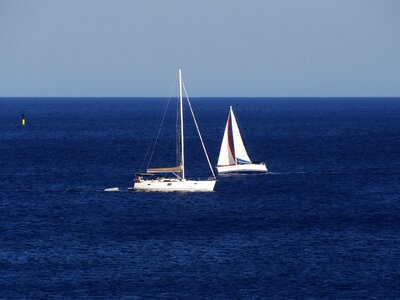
x,y
323,224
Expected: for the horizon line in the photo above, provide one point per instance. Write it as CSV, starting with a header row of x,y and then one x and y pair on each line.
x,y
203,97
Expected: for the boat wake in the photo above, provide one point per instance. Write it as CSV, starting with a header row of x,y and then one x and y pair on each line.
x,y
333,173
308,173
242,174
113,189
66,190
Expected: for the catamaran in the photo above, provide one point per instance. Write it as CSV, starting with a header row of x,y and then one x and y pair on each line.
x,y
150,180
234,159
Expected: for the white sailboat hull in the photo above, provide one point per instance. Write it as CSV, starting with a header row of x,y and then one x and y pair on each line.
x,y
175,185
243,168
148,182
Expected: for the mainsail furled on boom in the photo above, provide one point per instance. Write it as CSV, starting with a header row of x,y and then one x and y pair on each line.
x,y
165,170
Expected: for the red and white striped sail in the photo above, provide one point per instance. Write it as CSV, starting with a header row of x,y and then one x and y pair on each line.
x,y
226,153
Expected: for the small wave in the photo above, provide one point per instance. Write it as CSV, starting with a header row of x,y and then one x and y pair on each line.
x,y
335,173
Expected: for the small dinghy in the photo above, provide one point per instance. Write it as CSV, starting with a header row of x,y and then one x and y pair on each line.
x,y
114,189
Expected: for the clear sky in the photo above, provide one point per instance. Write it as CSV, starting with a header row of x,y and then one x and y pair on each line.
x,y
225,47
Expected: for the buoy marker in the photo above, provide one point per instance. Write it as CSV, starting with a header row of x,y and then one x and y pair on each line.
x,y
23,121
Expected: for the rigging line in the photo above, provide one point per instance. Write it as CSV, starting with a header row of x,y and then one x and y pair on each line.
x,y
158,133
198,130
144,159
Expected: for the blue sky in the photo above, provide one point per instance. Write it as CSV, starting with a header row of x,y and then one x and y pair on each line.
x,y
133,48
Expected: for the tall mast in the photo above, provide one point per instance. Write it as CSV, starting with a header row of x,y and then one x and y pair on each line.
x,y
182,138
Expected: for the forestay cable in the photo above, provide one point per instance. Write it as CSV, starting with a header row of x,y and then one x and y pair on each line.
x,y
198,130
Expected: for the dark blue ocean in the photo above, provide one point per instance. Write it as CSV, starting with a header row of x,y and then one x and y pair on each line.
x,y
323,224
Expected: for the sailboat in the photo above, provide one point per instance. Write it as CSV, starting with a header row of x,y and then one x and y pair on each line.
x,y
234,159
151,181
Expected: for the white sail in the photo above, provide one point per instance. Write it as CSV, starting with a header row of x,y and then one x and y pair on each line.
x,y
226,155
240,150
